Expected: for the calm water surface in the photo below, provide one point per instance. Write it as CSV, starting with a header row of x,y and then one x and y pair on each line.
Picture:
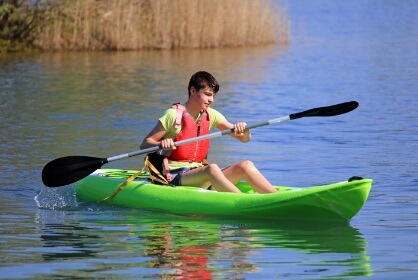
x,y
103,104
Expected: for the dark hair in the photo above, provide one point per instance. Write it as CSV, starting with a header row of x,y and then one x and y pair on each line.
x,y
203,79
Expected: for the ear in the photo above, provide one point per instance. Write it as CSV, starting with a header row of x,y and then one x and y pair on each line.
x,y
193,90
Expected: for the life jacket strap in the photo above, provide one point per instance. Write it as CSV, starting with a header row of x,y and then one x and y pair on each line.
x,y
123,185
180,110
154,174
167,169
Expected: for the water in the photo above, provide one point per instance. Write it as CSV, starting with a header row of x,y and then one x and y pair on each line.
x,y
103,104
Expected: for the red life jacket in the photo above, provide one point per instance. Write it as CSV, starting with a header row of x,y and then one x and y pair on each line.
x,y
196,151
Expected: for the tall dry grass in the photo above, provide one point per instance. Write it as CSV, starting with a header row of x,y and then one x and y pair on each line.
x,y
161,24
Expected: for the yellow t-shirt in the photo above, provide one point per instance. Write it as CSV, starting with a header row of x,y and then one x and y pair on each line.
x,y
168,120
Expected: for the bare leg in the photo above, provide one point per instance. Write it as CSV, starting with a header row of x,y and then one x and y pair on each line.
x,y
246,170
224,180
210,173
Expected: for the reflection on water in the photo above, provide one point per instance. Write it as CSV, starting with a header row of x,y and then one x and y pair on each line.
x,y
148,245
61,242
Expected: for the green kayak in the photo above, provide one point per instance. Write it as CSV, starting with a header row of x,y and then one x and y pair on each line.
x,y
338,201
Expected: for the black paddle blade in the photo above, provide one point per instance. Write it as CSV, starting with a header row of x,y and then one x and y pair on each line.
x,y
328,111
70,169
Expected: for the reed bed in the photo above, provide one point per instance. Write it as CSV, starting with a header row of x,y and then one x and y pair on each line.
x,y
161,24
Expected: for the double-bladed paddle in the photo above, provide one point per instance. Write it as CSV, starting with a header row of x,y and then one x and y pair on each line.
x,y
67,170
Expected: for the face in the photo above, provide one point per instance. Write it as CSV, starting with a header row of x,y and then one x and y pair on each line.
x,y
203,97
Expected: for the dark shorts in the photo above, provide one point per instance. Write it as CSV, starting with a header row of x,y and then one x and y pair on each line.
x,y
176,175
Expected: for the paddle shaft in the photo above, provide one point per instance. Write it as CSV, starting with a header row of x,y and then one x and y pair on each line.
x,y
195,139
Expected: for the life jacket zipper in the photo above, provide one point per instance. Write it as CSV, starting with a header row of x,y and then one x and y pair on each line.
x,y
196,144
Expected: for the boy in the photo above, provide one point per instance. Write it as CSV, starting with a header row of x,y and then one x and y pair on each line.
x,y
185,163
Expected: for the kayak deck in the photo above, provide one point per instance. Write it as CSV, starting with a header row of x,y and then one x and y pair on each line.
x,y
338,201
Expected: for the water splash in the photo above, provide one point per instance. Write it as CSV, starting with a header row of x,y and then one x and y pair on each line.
x,y
57,198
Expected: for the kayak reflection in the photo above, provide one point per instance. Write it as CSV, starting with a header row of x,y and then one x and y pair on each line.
x,y
194,248
145,244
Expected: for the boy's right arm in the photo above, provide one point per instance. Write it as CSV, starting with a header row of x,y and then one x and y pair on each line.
x,y
154,137
157,134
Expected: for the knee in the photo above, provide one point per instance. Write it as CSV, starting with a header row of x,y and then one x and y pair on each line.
x,y
247,166
213,169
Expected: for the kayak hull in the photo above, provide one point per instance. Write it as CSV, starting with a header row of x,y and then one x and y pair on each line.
x,y
338,201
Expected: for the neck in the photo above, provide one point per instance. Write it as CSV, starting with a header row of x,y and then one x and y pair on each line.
x,y
192,110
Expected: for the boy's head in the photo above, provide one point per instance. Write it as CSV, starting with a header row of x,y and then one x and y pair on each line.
x,y
203,79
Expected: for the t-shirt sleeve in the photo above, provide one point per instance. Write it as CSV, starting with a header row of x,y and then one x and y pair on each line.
x,y
215,118
168,119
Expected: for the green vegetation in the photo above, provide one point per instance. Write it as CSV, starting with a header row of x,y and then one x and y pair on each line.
x,y
140,24
17,23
